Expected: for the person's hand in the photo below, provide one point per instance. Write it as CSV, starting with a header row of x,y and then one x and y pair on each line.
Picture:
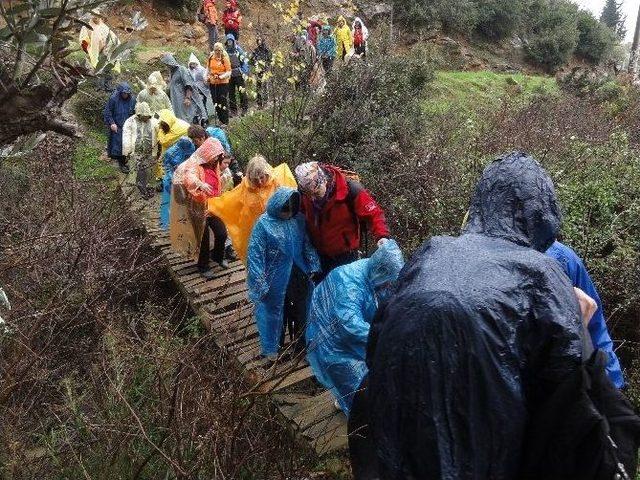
x,y
206,188
381,242
588,306
114,128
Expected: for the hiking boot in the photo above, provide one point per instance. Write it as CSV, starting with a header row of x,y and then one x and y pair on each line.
x,y
124,168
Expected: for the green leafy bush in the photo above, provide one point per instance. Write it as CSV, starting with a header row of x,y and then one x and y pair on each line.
x,y
451,15
553,33
498,19
595,40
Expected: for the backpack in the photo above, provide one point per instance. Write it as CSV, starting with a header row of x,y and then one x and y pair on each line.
x,y
355,187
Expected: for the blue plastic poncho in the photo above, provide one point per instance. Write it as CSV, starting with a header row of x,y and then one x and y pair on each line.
x,y
274,246
220,134
174,156
341,311
117,110
576,271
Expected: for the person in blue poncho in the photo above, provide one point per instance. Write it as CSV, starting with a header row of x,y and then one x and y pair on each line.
x,y
341,310
278,241
576,271
174,156
119,108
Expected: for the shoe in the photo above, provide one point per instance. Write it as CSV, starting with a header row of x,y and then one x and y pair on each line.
x,y
159,186
124,168
208,273
223,264
337,406
150,193
230,254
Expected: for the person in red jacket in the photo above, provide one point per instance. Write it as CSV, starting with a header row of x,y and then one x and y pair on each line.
x,y
335,207
231,19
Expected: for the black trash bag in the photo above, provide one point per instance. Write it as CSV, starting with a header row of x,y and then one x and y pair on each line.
x,y
480,328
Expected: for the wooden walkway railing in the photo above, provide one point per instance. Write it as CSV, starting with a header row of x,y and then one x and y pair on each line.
x,y
224,309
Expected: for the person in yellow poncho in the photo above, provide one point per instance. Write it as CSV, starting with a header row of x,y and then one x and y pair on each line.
x,y
170,129
97,39
344,39
240,208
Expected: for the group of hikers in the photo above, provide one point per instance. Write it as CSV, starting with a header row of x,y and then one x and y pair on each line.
x,y
485,356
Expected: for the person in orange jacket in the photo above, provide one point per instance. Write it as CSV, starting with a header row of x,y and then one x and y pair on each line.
x,y
231,19
219,76
211,21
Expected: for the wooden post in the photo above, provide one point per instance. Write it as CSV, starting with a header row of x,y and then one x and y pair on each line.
x,y
633,58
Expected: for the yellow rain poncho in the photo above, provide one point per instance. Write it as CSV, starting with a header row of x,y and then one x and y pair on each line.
x,y
240,208
344,39
99,39
177,128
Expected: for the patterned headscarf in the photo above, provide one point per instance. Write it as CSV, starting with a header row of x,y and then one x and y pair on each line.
x,y
310,176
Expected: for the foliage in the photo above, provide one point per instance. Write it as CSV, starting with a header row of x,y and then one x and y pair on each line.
x,y
102,369
498,19
596,40
35,70
452,15
613,18
552,32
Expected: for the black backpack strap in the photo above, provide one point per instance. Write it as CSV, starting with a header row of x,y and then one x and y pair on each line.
x,y
355,188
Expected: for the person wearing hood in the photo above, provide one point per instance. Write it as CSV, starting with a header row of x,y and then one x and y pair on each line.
x,y
335,206
210,13
573,266
170,129
194,182
185,98
219,75
240,208
140,144
313,30
360,37
327,49
198,135
479,331
174,156
231,19
260,60
278,241
303,55
341,311
239,69
344,38
119,108
97,38
154,95
200,74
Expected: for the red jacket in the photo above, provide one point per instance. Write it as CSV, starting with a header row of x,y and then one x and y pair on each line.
x,y
334,230
231,19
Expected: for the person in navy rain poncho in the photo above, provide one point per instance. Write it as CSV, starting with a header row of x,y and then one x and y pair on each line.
x,y
278,241
119,108
342,308
174,156
575,269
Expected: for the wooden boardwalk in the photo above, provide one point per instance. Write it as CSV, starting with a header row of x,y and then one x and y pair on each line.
x,y
223,306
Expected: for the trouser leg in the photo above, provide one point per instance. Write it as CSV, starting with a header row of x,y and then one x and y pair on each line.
x,y
244,98
213,36
233,87
362,451
219,231
203,257
295,307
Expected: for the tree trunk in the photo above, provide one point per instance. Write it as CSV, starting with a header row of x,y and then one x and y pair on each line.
x,y
633,59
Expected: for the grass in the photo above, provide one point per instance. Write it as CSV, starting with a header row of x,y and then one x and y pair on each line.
x,y
87,162
466,91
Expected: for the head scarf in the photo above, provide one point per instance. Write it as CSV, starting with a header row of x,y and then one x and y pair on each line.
x,y
310,176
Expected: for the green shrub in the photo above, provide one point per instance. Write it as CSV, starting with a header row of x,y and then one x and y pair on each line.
x,y
451,15
595,40
498,19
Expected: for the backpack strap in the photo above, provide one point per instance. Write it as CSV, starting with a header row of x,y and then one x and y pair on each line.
x,y
354,189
